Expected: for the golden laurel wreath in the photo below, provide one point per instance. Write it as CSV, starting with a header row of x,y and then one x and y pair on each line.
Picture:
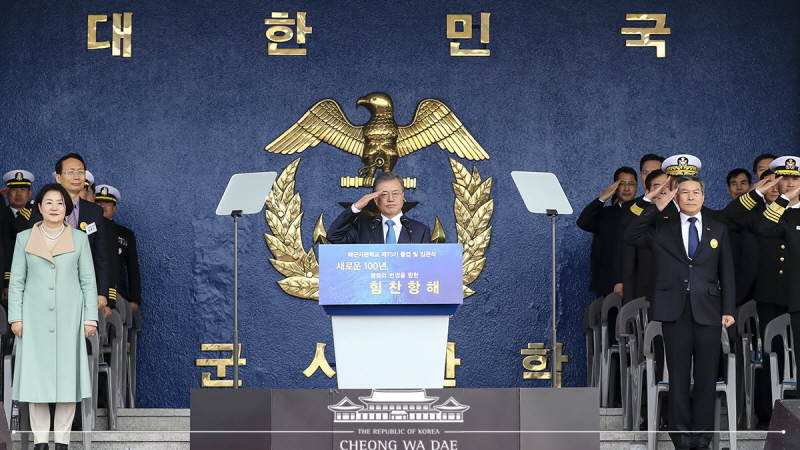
x,y
473,209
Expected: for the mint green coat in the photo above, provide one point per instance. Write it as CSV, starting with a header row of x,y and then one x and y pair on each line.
x,y
52,293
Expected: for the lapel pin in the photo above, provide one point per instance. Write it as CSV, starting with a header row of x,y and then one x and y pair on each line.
x,y
714,243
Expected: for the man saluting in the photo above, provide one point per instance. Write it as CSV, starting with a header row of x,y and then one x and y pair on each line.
x,y
693,295
390,227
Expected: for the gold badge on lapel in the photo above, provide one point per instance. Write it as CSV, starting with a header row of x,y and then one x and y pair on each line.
x,y
714,243
83,226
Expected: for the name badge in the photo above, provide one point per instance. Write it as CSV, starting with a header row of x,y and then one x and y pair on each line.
x,y
91,228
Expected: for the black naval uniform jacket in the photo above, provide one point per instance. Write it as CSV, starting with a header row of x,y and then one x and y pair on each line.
x,y
129,280
352,228
708,277
778,221
769,261
8,238
606,255
98,242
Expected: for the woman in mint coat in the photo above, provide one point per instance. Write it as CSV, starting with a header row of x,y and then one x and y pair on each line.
x,y
52,296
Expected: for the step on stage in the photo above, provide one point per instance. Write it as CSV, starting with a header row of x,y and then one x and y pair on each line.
x,y
392,419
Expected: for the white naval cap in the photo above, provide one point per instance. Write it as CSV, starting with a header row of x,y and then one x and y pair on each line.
x,y
683,164
785,165
18,178
107,193
89,179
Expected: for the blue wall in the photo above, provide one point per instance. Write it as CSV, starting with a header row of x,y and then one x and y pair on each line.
x,y
200,98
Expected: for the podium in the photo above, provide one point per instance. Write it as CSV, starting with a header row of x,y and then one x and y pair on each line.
x,y
390,307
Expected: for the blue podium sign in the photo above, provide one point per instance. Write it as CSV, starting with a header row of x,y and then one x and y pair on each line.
x,y
392,279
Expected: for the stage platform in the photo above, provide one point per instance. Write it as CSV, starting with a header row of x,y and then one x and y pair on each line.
x,y
168,429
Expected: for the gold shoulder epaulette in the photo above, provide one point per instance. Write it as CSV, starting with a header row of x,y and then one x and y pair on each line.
x,y
636,209
26,213
774,212
747,202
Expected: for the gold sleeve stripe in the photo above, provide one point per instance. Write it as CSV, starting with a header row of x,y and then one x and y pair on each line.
x,y
771,215
636,209
747,202
26,213
774,212
8,276
776,208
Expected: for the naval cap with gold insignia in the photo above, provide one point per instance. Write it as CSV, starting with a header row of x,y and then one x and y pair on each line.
x,y
785,166
18,178
106,193
683,164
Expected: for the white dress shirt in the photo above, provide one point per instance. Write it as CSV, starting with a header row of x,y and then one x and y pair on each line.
x,y
685,224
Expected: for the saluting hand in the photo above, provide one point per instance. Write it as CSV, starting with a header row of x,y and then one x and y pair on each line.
x,y
765,185
609,191
657,191
364,201
664,201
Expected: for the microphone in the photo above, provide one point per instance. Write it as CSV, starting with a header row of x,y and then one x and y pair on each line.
x,y
375,222
407,225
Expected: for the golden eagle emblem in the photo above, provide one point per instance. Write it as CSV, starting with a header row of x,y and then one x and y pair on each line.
x,y
380,141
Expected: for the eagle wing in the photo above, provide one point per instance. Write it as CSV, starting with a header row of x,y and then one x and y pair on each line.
x,y
323,122
435,122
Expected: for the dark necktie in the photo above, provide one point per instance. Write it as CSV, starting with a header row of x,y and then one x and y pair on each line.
x,y
390,237
694,240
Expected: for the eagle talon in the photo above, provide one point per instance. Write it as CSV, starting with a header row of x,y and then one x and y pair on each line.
x,y
367,171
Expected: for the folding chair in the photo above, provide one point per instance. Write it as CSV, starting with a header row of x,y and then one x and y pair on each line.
x,y
591,326
786,380
609,349
630,334
751,357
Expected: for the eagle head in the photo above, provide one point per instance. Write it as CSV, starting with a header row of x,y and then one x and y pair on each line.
x,y
376,103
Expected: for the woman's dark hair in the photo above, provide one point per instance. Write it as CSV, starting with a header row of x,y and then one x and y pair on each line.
x,y
55,187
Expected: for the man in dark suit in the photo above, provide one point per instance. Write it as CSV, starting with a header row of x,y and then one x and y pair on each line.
x,y
693,295
603,221
391,226
86,216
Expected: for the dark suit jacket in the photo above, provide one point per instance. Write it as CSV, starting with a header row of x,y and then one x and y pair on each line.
x,y
350,228
98,242
606,257
709,275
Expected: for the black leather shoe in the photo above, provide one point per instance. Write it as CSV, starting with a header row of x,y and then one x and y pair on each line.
x,y
62,446
41,447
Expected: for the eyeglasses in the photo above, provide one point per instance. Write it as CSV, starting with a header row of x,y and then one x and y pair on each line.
x,y
394,194
74,172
